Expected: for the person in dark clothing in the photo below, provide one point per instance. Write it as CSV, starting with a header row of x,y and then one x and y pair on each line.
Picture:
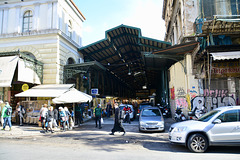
x,y
55,118
50,117
97,113
79,114
109,109
21,112
118,121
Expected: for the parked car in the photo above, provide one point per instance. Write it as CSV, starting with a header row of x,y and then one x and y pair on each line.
x,y
121,106
220,126
151,119
143,105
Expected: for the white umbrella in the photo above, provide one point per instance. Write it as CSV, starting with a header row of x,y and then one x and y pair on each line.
x,y
73,96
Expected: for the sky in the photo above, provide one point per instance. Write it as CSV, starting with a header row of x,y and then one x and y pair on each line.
x,y
102,15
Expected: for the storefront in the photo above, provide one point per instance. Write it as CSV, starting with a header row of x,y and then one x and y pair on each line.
x,y
18,69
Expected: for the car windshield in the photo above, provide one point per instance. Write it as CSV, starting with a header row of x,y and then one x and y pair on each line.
x,y
206,117
143,106
150,113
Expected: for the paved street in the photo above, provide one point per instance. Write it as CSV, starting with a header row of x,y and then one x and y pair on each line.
x,y
88,142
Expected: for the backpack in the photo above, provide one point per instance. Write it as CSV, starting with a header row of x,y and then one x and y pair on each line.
x,y
23,110
121,114
8,111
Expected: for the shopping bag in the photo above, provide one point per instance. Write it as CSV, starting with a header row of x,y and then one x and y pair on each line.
x,y
102,121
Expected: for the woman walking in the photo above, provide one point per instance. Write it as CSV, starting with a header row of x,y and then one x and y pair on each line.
x,y
50,118
62,117
43,114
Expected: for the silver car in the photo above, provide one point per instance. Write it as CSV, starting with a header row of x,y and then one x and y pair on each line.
x,y
220,126
151,119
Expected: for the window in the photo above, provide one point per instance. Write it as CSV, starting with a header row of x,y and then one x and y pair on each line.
x,y
70,61
27,21
70,29
229,116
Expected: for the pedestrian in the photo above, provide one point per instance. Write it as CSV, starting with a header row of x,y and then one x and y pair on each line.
x,y
50,118
62,117
7,114
68,114
97,113
43,115
55,118
118,121
21,113
127,111
1,108
78,119
109,109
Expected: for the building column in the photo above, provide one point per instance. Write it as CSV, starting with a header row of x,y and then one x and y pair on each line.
x,y
1,21
36,16
17,19
5,21
55,16
50,15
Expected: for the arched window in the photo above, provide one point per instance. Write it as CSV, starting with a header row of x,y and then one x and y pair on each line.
x,y
70,61
27,21
70,29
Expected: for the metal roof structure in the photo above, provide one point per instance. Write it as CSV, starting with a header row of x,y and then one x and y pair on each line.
x,y
121,52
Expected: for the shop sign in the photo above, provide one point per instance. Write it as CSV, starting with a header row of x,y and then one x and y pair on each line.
x,y
94,91
225,69
25,87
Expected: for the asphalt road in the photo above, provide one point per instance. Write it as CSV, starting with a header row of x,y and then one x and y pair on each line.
x,y
90,143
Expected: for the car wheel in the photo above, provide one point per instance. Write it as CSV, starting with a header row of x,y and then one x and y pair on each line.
x,y
197,143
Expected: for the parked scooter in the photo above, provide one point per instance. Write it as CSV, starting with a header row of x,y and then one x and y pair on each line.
x,y
165,111
179,116
196,114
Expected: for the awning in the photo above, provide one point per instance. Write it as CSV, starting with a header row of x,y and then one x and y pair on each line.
x,y
73,96
7,68
27,74
226,55
48,90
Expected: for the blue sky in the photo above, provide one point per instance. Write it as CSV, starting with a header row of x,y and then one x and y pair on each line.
x,y
102,15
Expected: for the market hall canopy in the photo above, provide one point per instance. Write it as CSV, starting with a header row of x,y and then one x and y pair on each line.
x,y
121,52
47,90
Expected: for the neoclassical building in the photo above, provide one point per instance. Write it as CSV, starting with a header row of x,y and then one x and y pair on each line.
x,y
45,32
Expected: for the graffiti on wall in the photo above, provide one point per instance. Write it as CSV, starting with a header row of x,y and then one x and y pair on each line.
x,y
181,102
193,92
215,93
181,92
172,93
216,98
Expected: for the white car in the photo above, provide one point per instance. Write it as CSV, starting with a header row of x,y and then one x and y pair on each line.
x,y
121,106
151,119
220,126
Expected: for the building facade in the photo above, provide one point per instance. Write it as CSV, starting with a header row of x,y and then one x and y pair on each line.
x,y
49,31
207,82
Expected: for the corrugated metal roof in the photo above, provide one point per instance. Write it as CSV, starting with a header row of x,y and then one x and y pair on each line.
x,y
121,52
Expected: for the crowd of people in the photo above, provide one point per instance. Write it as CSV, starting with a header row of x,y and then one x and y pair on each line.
x,y
51,119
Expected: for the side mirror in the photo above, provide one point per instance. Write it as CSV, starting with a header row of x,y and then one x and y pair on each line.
x,y
217,121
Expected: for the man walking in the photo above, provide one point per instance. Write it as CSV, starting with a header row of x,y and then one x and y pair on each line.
x,y
97,113
21,112
7,114
118,121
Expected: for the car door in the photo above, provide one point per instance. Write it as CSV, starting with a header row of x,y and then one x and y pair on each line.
x,y
229,128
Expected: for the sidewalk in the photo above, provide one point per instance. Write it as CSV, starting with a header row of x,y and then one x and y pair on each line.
x,y
34,130
28,130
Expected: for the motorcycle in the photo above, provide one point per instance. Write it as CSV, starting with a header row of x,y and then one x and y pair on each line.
x,y
165,111
196,114
179,116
